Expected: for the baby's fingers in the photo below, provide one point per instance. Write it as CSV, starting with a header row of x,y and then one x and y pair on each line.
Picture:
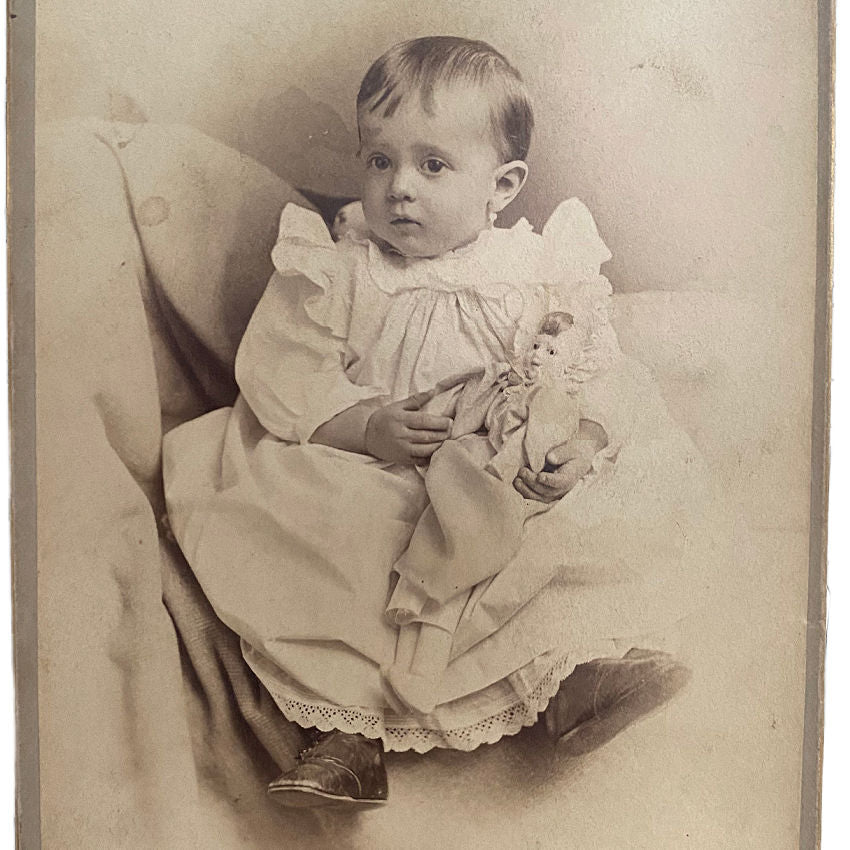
x,y
417,421
562,481
526,477
554,480
423,450
416,437
527,492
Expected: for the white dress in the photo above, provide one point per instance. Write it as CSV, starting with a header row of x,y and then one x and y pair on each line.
x,y
293,543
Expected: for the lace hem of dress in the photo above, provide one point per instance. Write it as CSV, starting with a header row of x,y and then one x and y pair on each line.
x,y
508,721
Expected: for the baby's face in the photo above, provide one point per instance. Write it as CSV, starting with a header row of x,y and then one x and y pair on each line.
x,y
552,356
429,177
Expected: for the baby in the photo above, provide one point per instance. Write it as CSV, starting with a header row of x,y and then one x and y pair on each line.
x,y
527,409
297,506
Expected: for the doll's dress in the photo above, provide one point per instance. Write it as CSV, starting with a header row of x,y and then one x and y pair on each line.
x,y
294,543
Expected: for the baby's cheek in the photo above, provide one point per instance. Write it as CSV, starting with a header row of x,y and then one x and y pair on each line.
x,y
370,209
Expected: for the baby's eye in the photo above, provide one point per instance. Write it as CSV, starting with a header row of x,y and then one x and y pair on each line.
x,y
552,352
536,346
379,162
434,166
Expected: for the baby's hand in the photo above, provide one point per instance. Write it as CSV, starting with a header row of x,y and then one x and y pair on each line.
x,y
569,463
401,433
551,486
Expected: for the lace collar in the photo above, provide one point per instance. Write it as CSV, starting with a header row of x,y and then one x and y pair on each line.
x,y
499,259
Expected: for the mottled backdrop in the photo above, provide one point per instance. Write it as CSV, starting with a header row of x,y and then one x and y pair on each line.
x,y
683,124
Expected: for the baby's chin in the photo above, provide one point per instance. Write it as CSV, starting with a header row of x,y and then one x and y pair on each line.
x,y
413,244
412,247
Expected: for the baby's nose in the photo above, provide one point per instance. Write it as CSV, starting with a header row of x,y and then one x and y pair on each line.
x,y
403,185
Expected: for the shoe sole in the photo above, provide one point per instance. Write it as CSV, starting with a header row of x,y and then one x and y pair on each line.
x,y
312,798
644,699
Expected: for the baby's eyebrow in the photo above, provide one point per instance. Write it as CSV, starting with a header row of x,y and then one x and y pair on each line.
x,y
372,150
426,148
373,147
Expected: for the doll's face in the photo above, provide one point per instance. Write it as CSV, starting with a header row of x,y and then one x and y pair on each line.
x,y
431,177
552,356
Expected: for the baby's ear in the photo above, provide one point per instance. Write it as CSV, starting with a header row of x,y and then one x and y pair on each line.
x,y
509,180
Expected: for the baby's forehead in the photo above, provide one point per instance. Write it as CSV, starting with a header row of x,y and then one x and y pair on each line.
x,y
450,109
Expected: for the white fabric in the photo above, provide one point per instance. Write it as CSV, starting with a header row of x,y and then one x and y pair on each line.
x,y
503,708
294,544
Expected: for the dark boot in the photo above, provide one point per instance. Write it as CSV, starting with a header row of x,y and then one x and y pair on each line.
x,y
340,768
601,698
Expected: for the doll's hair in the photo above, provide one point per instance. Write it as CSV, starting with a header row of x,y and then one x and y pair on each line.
x,y
421,64
556,323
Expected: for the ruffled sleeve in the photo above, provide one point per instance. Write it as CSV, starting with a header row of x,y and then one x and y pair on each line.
x,y
572,252
573,243
289,366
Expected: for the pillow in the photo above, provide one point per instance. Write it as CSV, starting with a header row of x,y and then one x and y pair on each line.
x,y
207,219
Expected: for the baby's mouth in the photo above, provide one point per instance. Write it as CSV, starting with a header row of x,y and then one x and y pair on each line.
x,y
403,220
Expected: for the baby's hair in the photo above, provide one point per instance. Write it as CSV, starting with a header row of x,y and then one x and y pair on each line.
x,y
556,323
419,65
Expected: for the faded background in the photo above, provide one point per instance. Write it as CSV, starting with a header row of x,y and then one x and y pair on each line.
x,y
688,128
684,125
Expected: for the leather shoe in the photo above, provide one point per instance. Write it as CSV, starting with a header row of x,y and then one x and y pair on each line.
x,y
339,769
601,698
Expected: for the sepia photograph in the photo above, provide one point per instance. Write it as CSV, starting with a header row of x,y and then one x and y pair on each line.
x,y
419,422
